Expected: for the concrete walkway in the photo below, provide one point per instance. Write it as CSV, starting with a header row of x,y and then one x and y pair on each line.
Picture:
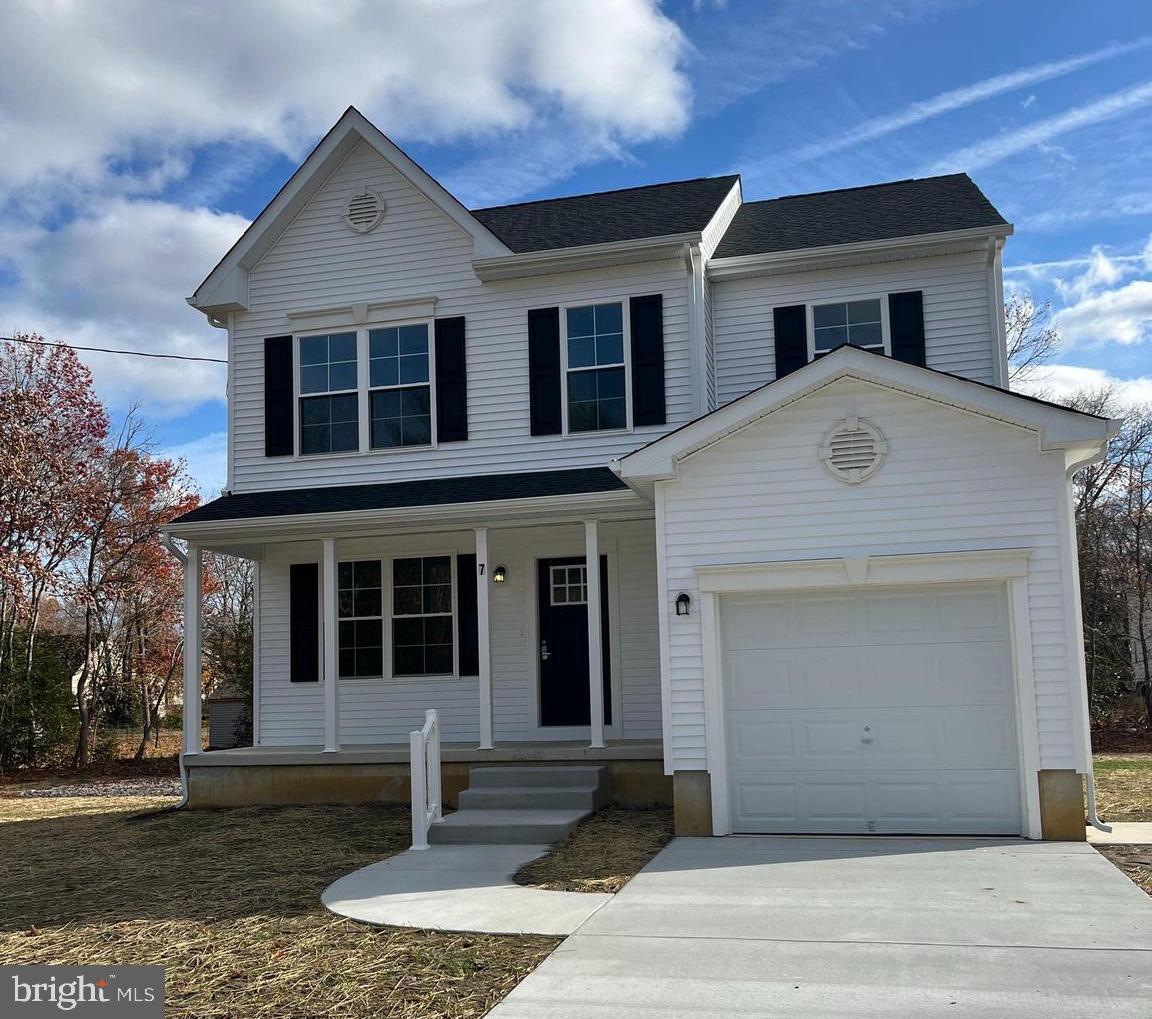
x,y
1130,833
459,888
760,926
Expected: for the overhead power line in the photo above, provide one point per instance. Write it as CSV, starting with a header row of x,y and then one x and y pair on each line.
x,y
109,350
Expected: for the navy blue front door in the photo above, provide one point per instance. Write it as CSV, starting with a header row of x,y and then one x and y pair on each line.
x,y
562,588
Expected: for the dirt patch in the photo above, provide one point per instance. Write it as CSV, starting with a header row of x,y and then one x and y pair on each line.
x,y
603,851
1123,786
228,901
1135,861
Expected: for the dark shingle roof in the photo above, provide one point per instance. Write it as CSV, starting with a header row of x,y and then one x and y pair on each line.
x,y
903,208
399,494
631,214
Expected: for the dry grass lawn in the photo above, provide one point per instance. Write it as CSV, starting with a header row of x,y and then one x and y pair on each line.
x,y
603,851
1135,861
229,902
1124,786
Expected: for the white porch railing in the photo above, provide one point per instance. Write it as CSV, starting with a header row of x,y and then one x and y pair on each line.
x,y
425,765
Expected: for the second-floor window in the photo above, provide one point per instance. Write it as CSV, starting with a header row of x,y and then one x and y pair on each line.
x,y
400,392
329,398
859,323
367,389
595,368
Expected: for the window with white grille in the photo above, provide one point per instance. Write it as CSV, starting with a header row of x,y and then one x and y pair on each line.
x,y
853,450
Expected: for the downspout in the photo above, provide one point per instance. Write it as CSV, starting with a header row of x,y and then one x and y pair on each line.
x,y
168,543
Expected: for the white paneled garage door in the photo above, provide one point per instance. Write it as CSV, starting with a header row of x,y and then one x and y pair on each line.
x,y
871,711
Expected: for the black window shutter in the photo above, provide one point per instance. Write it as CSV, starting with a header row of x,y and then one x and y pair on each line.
x,y
467,624
304,622
791,327
647,322
544,383
278,438
906,326
451,381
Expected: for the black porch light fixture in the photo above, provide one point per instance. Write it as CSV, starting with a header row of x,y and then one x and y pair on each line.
x,y
682,603
499,575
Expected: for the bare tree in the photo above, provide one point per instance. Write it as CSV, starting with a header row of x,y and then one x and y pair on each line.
x,y
1031,336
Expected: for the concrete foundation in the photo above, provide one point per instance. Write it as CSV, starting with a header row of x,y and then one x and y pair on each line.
x,y
1062,813
693,802
634,783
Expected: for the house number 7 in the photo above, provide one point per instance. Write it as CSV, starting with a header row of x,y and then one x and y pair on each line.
x,y
480,567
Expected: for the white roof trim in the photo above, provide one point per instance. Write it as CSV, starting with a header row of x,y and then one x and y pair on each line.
x,y
1057,427
226,288
829,256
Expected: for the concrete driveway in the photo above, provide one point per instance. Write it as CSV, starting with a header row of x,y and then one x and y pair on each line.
x,y
764,926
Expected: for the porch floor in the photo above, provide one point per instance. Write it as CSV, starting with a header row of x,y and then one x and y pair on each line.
x,y
397,753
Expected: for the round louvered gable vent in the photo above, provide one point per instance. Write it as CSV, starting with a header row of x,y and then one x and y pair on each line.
x,y
853,450
364,211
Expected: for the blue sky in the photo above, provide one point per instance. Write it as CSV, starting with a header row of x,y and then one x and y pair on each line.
x,y
140,139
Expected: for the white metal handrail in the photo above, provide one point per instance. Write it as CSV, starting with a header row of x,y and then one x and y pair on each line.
x,y
425,765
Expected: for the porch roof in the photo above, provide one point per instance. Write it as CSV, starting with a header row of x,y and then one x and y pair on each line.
x,y
482,488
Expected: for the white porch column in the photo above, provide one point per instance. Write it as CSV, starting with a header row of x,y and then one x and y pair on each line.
x,y
483,640
595,652
328,598
193,681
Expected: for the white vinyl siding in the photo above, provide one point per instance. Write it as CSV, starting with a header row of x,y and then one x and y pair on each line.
x,y
957,329
952,481
416,252
385,711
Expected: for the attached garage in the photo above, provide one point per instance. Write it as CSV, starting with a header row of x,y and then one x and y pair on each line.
x,y
871,711
872,615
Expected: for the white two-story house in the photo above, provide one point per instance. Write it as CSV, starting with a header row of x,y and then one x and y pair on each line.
x,y
729,495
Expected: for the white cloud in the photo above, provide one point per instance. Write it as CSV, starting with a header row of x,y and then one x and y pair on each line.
x,y
993,150
959,98
90,89
1122,315
207,459
118,279
770,42
1103,297
1059,381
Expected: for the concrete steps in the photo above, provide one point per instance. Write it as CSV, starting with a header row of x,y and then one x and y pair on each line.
x,y
522,805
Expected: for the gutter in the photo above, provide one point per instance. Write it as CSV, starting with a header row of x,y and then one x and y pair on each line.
x,y
182,559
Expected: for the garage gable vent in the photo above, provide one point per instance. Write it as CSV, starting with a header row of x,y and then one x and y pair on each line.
x,y
853,450
364,211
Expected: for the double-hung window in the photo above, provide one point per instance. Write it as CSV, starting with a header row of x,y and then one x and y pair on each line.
x,y
361,619
595,367
859,323
329,399
400,394
422,618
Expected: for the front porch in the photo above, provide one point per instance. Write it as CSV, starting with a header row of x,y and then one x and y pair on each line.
x,y
380,773
525,652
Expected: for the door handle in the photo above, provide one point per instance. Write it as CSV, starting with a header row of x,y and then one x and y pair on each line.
x,y
544,653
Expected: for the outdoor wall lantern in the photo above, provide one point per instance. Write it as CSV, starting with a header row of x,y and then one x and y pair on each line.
x,y
499,575
682,603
